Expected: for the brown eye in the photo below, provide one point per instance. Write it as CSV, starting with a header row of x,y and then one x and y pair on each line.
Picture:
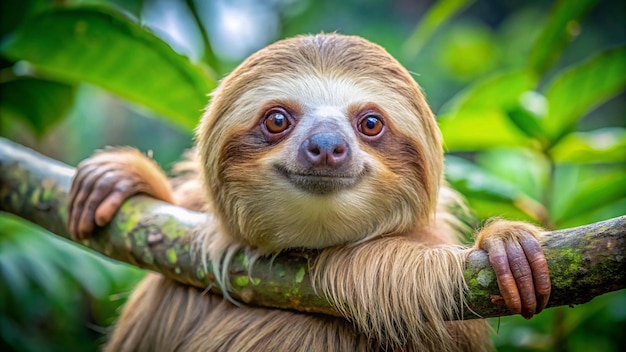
x,y
276,121
371,125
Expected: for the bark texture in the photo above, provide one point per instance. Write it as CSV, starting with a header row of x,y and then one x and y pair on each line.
x,y
584,262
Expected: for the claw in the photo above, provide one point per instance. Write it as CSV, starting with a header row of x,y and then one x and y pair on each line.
x,y
520,266
104,181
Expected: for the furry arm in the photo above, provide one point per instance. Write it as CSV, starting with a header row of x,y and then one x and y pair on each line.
x,y
584,262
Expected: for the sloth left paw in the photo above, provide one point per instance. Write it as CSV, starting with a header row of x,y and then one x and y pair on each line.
x,y
520,266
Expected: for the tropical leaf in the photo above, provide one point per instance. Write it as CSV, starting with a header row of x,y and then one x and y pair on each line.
x,y
528,114
482,187
438,14
557,33
102,47
40,103
480,129
603,145
525,168
14,12
582,87
594,193
476,118
499,91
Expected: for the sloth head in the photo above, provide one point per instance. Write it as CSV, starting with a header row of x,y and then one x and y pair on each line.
x,y
317,141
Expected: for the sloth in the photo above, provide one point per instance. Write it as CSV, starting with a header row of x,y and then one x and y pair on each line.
x,y
320,142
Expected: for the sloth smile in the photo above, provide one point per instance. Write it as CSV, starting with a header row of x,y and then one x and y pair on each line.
x,y
320,182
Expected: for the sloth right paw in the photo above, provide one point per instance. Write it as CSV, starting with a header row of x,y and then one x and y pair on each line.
x,y
520,266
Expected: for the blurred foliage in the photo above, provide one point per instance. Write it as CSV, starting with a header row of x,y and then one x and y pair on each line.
x,y
55,295
530,98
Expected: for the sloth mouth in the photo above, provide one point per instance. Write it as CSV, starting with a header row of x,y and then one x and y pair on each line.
x,y
320,182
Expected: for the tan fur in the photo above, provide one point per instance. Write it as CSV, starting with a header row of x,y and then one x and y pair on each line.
x,y
162,315
158,186
389,259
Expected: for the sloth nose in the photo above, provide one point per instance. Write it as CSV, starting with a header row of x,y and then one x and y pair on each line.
x,y
324,150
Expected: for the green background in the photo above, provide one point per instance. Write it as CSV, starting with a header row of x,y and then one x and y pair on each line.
x,y
529,96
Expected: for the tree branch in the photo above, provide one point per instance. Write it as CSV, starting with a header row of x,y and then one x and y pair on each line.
x,y
584,262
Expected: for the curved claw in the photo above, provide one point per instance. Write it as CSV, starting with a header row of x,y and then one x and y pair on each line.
x,y
539,267
95,196
520,266
104,181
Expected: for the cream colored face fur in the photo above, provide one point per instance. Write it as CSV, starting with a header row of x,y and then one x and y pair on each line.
x,y
390,185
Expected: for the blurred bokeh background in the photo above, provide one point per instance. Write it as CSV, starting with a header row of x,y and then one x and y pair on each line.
x,y
529,94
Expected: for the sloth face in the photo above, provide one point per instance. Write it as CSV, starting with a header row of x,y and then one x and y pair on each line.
x,y
319,141
321,154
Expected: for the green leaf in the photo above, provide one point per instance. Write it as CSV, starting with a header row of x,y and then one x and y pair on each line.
x,y
474,43
10,274
31,255
582,87
476,118
602,212
594,193
13,12
526,169
500,91
492,192
104,48
603,145
486,209
562,27
469,178
36,267
594,187
438,14
132,6
526,121
480,129
38,102
528,114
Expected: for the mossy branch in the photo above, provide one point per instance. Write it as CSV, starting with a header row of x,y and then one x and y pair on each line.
x,y
584,262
